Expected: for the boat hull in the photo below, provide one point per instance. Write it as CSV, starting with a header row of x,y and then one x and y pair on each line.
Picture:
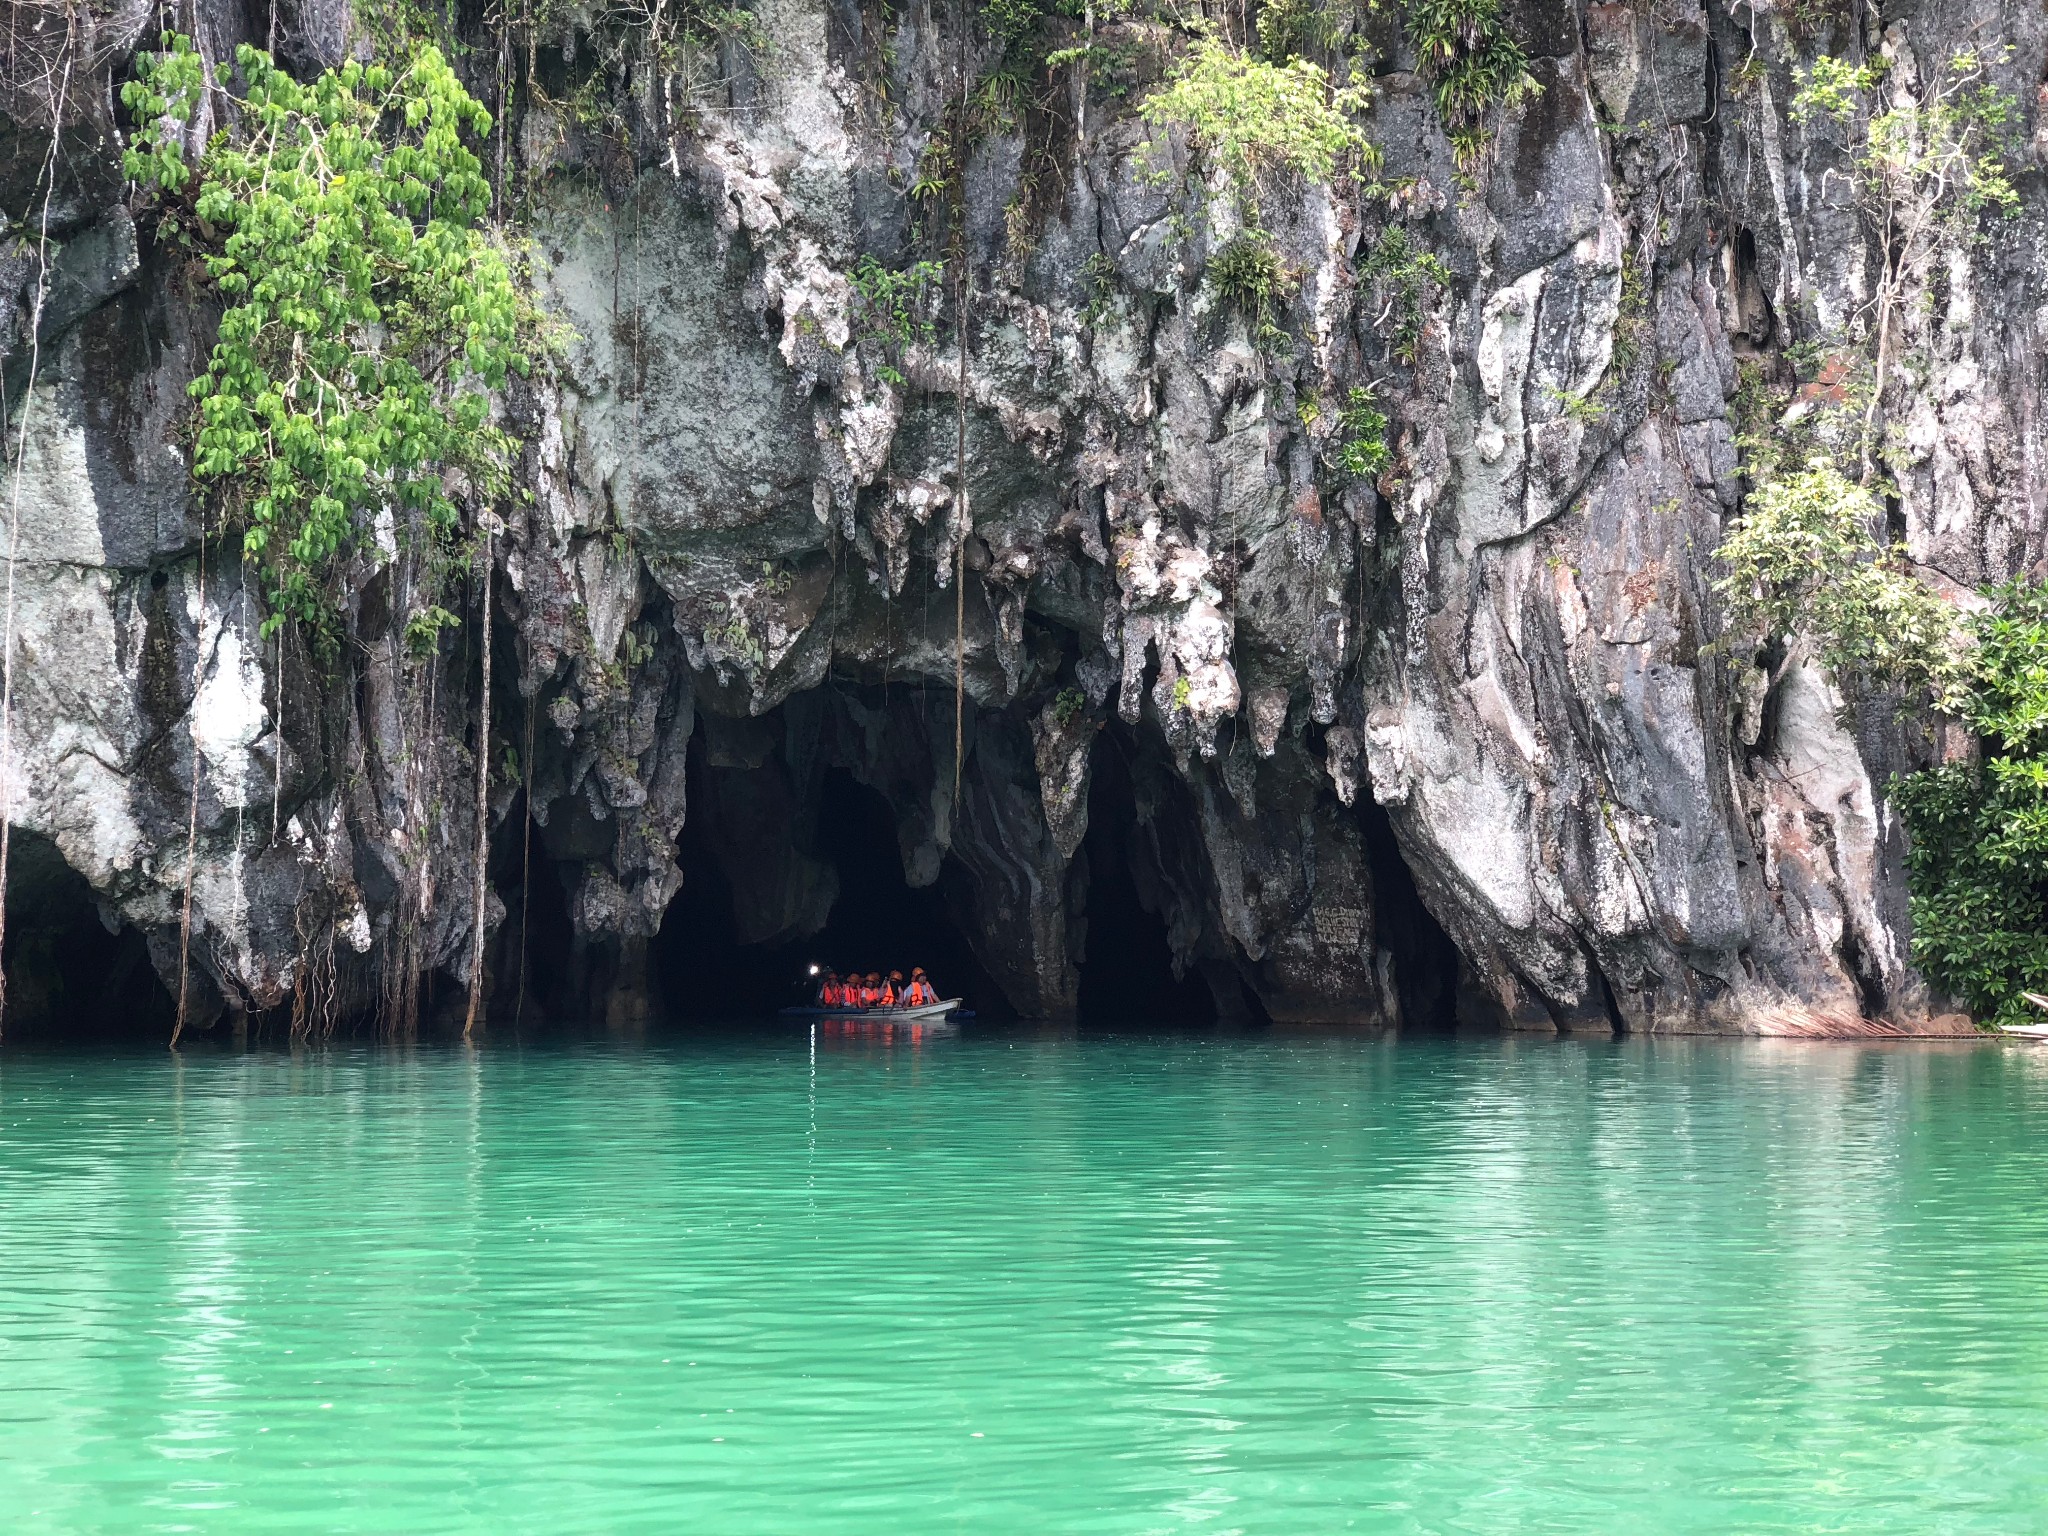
x,y
929,1013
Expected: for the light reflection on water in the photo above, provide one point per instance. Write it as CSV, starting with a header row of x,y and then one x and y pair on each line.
x,y
989,1282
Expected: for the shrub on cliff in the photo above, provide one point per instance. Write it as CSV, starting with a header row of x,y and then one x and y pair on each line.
x,y
1256,117
1803,559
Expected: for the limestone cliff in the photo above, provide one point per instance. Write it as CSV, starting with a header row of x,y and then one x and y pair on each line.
x,y
1490,671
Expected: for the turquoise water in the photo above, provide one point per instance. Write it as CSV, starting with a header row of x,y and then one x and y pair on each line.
x,y
1012,1283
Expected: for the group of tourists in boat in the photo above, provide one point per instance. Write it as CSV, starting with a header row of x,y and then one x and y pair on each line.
x,y
857,992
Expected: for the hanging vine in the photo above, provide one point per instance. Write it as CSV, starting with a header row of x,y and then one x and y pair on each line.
x,y
59,95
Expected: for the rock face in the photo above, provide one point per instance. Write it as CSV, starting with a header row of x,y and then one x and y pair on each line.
x,y
746,563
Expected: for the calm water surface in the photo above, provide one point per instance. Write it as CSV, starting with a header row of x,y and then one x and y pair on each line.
x,y
1006,1283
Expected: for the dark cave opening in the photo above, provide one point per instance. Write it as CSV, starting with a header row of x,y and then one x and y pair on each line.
x,y
1126,964
66,974
1426,964
877,921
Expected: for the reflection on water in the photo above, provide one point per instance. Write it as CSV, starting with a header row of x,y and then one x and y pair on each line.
x,y
844,1280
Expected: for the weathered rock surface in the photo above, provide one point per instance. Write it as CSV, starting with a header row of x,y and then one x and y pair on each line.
x,y
744,540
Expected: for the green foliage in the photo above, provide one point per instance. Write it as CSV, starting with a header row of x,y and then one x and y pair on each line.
x,y
1069,703
1472,63
936,168
423,630
1583,409
1832,89
1011,21
1936,157
1098,280
1006,92
1632,314
1928,158
1802,559
366,318
637,645
668,37
1002,97
1978,856
1806,18
1249,274
1403,278
1183,694
1363,450
1255,117
1823,412
896,308
1110,68
1288,28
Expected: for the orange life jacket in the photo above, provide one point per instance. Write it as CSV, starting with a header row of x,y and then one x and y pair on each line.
x,y
921,993
868,995
888,994
833,995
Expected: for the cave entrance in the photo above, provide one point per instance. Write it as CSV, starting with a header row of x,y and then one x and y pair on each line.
x,y
67,976
877,921
1425,965
1126,965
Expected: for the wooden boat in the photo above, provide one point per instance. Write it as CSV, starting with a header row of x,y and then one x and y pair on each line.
x,y
929,1013
2029,1031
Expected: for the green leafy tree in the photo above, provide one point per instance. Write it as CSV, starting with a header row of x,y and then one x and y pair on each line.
x,y
1978,856
368,313
1803,560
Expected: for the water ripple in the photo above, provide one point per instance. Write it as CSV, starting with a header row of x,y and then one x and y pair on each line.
x,y
1006,1283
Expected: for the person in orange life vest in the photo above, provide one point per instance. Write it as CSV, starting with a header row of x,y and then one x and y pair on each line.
x,y
892,993
828,990
920,992
870,990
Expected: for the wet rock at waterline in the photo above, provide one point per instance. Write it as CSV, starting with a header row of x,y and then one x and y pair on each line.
x,y
1473,706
